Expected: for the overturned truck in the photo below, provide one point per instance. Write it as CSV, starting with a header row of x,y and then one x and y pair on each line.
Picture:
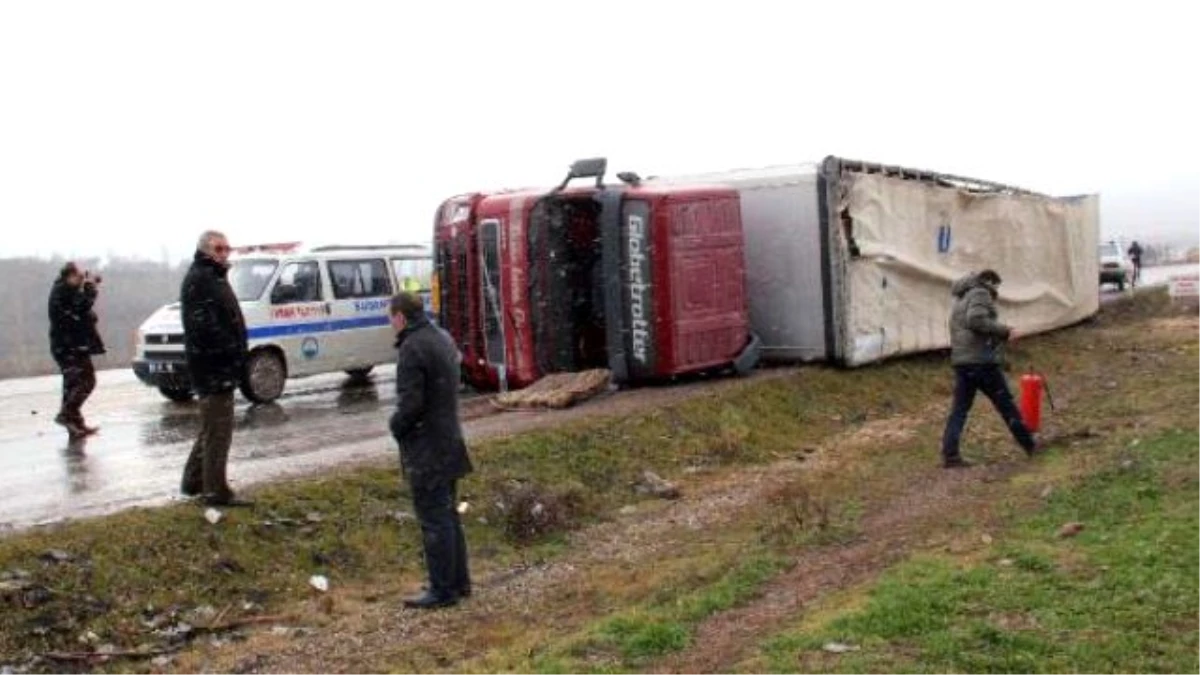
x,y
843,261
645,281
851,262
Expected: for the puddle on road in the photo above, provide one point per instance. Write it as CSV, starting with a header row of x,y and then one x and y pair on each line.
x,y
144,440
180,422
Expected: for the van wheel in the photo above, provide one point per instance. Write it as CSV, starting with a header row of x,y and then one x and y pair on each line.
x,y
264,378
360,373
176,395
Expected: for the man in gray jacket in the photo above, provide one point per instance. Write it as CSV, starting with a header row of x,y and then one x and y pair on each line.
x,y
977,341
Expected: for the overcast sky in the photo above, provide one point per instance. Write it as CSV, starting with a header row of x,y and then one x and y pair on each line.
x,y
128,127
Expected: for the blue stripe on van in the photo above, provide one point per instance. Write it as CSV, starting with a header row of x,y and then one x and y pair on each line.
x,y
311,327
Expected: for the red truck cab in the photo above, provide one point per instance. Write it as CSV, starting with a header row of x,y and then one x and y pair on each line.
x,y
647,281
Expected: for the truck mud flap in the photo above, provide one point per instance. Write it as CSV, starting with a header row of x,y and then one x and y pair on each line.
x,y
747,360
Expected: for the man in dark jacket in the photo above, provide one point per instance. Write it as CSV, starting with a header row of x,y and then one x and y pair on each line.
x,y
432,453
977,341
1135,256
215,345
73,341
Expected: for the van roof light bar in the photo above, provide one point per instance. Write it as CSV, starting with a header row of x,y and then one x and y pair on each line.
x,y
369,247
281,247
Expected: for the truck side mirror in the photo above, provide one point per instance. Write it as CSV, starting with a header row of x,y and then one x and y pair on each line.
x,y
586,168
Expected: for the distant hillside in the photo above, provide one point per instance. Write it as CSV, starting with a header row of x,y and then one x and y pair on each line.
x,y
131,289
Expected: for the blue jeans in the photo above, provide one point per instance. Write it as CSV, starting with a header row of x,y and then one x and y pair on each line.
x,y
989,380
436,504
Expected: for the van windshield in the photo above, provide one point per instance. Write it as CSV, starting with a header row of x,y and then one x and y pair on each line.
x,y
249,277
1109,250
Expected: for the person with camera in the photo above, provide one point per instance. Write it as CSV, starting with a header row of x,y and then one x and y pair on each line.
x,y
74,340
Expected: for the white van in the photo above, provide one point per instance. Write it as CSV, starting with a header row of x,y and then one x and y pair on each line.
x,y
1115,265
307,311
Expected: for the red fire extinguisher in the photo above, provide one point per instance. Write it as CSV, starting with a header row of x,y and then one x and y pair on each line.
x,y
1032,386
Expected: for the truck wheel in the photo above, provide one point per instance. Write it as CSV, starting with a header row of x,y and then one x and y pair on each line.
x,y
176,395
264,378
360,373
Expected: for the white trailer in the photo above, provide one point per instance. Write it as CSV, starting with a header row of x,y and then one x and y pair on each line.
x,y
852,262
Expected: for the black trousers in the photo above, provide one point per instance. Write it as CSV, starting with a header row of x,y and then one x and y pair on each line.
x,y
435,502
79,380
990,380
205,468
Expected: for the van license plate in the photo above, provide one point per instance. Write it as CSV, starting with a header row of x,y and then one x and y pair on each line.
x,y
162,368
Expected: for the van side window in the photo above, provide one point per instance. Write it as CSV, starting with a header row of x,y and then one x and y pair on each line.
x,y
413,274
360,279
298,282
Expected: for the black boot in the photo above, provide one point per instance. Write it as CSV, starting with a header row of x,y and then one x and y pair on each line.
x,y
74,430
226,499
956,463
431,600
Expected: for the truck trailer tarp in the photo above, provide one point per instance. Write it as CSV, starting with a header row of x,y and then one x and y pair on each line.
x,y
852,262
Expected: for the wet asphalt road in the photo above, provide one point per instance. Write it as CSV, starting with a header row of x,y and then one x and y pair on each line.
x,y
138,456
1151,276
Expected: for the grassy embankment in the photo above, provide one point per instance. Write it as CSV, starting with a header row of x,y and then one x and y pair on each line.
x,y
130,578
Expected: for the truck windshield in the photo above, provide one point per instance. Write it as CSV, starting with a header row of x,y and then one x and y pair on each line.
x,y
493,322
249,277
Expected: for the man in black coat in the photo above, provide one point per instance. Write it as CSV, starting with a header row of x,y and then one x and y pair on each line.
x,y
73,341
1135,256
433,455
215,345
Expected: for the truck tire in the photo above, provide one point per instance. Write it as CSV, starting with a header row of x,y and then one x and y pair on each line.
x,y
264,378
176,395
360,373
